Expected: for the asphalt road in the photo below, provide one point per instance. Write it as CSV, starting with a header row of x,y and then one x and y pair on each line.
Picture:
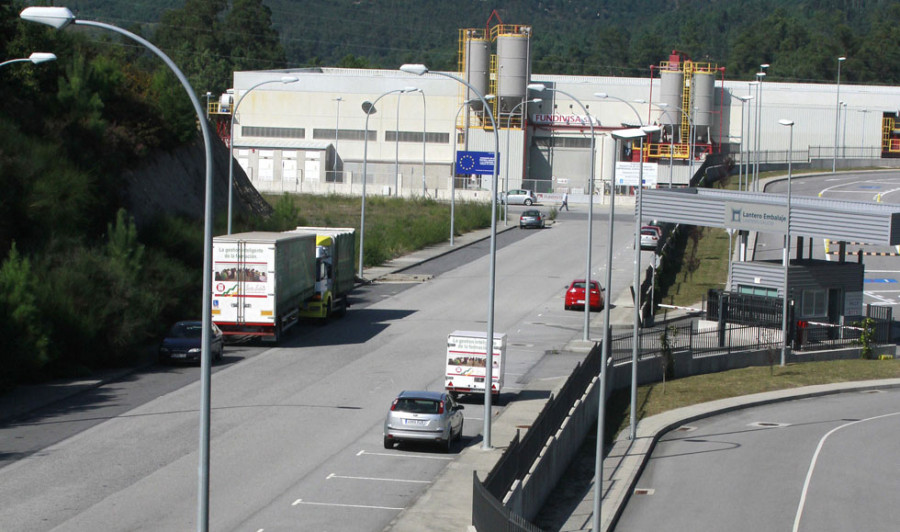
x,y
818,465
296,429
882,272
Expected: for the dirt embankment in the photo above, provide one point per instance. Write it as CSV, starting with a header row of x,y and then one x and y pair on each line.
x,y
174,182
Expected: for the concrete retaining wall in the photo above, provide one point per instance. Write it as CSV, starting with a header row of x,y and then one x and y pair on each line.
x,y
528,496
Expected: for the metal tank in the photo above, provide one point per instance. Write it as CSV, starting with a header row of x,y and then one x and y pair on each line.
x,y
512,69
704,97
672,85
478,67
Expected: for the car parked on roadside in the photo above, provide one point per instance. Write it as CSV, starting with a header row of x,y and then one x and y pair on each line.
x,y
532,218
575,296
424,416
184,340
650,236
519,197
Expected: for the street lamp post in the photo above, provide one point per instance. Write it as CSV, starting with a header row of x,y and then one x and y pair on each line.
x,y
743,178
34,58
337,128
538,87
453,164
208,94
837,113
759,78
424,134
506,178
787,246
419,69
285,80
60,17
844,134
368,108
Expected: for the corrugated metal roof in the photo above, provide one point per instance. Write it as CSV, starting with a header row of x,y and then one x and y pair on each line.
x,y
852,221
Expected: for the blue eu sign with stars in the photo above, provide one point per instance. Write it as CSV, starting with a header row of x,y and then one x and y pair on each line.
x,y
475,162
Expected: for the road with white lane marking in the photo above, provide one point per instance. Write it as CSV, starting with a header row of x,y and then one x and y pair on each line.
x,y
824,464
296,429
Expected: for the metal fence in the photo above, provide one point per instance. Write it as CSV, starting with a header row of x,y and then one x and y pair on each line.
x,y
520,455
705,338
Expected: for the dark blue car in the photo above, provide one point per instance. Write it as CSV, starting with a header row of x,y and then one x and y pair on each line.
x,y
183,341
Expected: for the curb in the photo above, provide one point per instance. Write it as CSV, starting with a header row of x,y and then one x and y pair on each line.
x,y
636,453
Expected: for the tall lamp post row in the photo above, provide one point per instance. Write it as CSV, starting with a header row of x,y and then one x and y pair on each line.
x,y
59,18
419,70
539,87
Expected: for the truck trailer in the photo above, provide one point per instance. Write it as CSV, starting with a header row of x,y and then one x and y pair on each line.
x,y
334,271
261,281
467,360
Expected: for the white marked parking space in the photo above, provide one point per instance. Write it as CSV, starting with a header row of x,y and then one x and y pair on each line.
x,y
341,505
407,456
379,479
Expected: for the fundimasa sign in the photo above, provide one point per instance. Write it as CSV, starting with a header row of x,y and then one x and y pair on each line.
x,y
756,217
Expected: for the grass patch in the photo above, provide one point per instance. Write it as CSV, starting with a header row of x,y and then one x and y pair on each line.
x,y
394,226
656,398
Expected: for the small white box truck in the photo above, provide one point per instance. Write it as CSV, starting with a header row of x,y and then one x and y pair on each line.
x,y
467,362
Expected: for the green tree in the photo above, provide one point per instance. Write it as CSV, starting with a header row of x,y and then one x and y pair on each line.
x,y
191,37
252,42
23,337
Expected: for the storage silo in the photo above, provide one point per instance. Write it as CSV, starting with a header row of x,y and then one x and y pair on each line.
x,y
478,67
704,97
672,85
512,68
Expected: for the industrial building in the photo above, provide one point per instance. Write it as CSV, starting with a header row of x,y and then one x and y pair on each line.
x,y
320,132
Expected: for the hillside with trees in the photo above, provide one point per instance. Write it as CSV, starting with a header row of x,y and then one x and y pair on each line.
x,y
83,282
799,39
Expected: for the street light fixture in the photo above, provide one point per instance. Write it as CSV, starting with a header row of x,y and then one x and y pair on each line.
x,y
419,70
837,113
368,108
60,17
285,80
34,58
506,178
539,87
787,245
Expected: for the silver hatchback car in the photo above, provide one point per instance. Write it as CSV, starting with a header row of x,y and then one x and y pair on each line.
x,y
424,416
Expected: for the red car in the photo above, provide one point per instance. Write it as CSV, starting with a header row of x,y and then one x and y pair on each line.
x,y
575,295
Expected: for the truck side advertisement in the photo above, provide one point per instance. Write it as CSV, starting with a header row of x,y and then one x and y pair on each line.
x,y
467,362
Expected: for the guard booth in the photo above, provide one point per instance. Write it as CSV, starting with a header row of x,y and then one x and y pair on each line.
x,y
825,294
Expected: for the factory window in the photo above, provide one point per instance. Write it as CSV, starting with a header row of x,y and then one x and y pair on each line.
x,y
562,142
343,134
416,136
274,132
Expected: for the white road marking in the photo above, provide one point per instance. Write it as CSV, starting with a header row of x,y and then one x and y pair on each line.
x,y
882,271
301,501
333,475
812,465
398,455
